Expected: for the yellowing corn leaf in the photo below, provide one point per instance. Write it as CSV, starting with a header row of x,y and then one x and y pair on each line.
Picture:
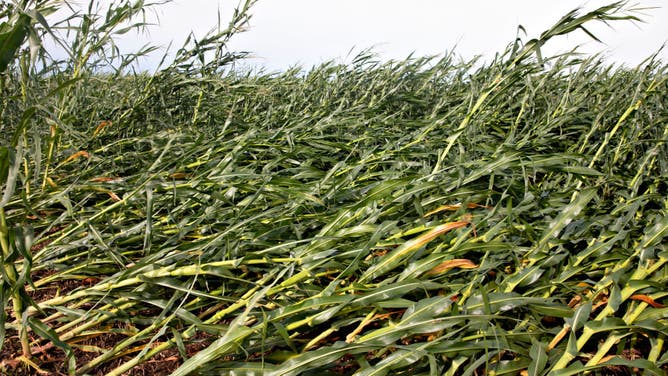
x,y
103,124
648,300
607,358
397,256
179,175
450,264
51,182
113,196
77,155
103,179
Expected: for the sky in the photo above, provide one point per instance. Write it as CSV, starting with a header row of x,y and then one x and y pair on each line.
x,y
285,33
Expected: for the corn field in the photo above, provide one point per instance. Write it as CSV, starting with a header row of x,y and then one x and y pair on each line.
x,y
431,216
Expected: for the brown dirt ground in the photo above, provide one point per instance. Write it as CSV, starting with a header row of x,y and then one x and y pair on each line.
x,y
51,359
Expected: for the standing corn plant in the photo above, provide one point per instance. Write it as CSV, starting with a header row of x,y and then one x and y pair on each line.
x,y
11,285
18,26
88,40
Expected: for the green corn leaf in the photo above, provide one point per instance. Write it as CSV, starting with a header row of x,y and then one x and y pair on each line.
x,y
398,359
394,290
421,317
581,170
577,369
47,332
230,341
524,277
309,304
318,358
656,233
499,302
607,324
12,40
9,169
393,259
538,355
239,369
567,215
580,316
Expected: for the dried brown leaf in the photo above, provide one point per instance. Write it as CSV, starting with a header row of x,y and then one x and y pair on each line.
x,y
450,264
648,300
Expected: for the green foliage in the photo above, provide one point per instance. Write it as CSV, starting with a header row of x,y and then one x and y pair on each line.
x,y
426,216
12,37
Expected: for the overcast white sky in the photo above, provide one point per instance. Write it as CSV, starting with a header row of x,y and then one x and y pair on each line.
x,y
284,33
